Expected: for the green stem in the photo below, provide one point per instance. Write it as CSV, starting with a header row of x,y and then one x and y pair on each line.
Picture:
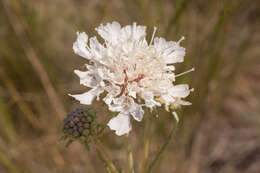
x,y
146,143
129,155
104,157
160,152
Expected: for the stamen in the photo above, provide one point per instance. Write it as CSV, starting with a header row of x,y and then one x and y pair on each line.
x,y
193,69
123,86
126,77
134,67
140,77
182,38
154,31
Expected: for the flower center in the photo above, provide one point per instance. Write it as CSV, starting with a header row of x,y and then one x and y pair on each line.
x,y
126,81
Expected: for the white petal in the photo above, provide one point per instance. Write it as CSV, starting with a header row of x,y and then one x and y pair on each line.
x,y
132,94
87,78
136,111
180,90
96,48
174,55
159,43
108,99
139,32
167,99
149,99
169,68
133,32
116,107
113,91
87,97
79,46
81,74
110,32
170,51
182,102
121,124
132,90
170,76
178,55
118,104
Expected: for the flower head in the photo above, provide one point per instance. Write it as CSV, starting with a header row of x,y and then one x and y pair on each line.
x,y
133,72
81,125
78,123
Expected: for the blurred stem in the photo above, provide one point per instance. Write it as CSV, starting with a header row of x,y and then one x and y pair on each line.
x,y
145,11
146,143
19,100
175,18
160,152
129,155
102,158
6,123
101,151
12,9
234,70
213,52
7,163
219,26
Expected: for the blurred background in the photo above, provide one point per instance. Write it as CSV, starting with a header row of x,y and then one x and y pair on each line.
x,y
219,133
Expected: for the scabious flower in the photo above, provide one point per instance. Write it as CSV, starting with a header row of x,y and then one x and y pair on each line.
x,y
132,72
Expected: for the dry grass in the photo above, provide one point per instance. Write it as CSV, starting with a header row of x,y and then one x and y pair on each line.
x,y
218,133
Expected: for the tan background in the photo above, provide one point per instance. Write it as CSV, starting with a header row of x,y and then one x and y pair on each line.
x,y
219,133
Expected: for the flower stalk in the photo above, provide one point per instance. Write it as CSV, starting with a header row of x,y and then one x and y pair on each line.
x,y
146,143
162,149
101,151
129,155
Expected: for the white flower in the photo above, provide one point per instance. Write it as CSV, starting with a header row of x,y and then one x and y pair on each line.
x,y
132,72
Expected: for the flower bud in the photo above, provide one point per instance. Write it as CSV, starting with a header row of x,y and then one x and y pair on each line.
x,y
77,122
80,124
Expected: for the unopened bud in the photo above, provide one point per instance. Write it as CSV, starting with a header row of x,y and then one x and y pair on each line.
x,y
80,124
77,121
